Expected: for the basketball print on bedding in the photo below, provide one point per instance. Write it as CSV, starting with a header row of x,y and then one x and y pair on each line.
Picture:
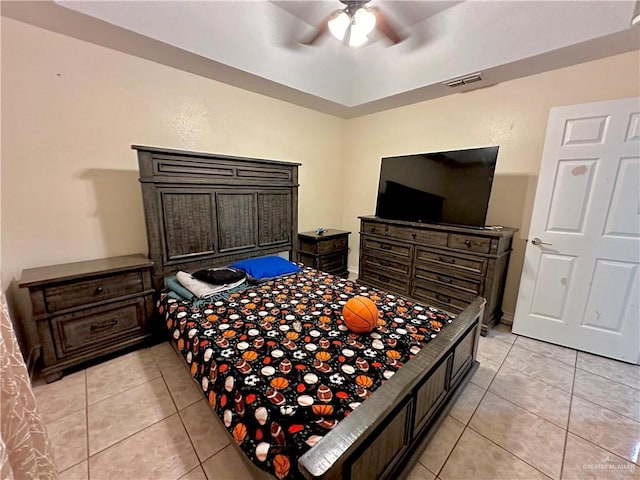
x,y
292,368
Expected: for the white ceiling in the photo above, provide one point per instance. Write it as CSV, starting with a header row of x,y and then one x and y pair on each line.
x,y
257,44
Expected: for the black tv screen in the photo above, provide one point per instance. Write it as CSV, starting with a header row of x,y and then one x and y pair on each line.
x,y
443,187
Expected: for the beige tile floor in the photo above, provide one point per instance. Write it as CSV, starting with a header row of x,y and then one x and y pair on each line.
x,y
532,410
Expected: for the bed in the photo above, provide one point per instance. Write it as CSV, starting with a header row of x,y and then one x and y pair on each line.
x,y
358,411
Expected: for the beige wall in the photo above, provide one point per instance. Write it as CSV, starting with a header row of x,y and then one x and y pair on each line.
x,y
512,115
70,112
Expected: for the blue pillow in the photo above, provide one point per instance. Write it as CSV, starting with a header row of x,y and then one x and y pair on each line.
x,y
266,267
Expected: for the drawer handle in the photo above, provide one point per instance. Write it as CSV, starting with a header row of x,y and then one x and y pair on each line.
x,y
383,278
447,260
386,247
413,235
444,279
442,298
104,325
373,229
467,243
99,290
385,263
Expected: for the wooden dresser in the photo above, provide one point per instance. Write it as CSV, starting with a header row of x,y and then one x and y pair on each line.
x,y
327,251
443,266
88,309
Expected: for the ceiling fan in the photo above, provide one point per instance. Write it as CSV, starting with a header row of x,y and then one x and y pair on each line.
x,y
353,23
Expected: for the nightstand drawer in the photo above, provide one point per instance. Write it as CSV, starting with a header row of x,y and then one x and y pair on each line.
x,y
73,294
326,251
88,309
333,263
470,243
332,245
97,327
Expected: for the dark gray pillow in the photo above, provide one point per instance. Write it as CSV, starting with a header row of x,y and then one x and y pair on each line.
x,y
219,276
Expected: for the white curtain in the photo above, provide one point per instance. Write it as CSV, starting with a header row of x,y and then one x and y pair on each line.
x,y
25,452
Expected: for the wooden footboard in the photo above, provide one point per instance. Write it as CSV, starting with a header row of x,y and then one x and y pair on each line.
x,y
375,441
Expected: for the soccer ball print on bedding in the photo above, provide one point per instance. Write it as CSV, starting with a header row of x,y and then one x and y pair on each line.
x,y
280,367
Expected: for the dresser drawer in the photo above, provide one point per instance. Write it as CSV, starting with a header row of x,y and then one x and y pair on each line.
x,y
448,265
84,330
373,228
385,247
447,292
429,237
426,236
469,285
452,264
470,243
431,296
388,263
384,280
73,294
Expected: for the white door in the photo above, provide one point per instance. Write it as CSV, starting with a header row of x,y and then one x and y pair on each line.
x,y
580,284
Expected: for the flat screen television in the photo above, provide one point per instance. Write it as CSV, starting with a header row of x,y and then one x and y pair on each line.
x,y
442,187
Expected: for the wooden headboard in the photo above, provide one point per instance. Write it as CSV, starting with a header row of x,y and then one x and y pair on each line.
x,y
204,210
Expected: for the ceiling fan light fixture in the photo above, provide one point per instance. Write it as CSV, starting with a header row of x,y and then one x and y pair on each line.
x,y
353,24
364,21
356,26
357,38
339,24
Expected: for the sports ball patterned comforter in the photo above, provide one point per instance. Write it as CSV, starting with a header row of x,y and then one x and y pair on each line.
x,y
281,369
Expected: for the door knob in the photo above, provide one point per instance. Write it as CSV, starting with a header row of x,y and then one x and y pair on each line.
x,y
537,241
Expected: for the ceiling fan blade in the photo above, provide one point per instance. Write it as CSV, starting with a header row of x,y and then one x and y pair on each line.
x,y
321,29
382,24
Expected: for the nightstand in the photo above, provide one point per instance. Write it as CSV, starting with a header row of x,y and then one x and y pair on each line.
x,y
88,309
325,251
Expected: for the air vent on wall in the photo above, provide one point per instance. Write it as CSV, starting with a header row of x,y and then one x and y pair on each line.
x,y
458,82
